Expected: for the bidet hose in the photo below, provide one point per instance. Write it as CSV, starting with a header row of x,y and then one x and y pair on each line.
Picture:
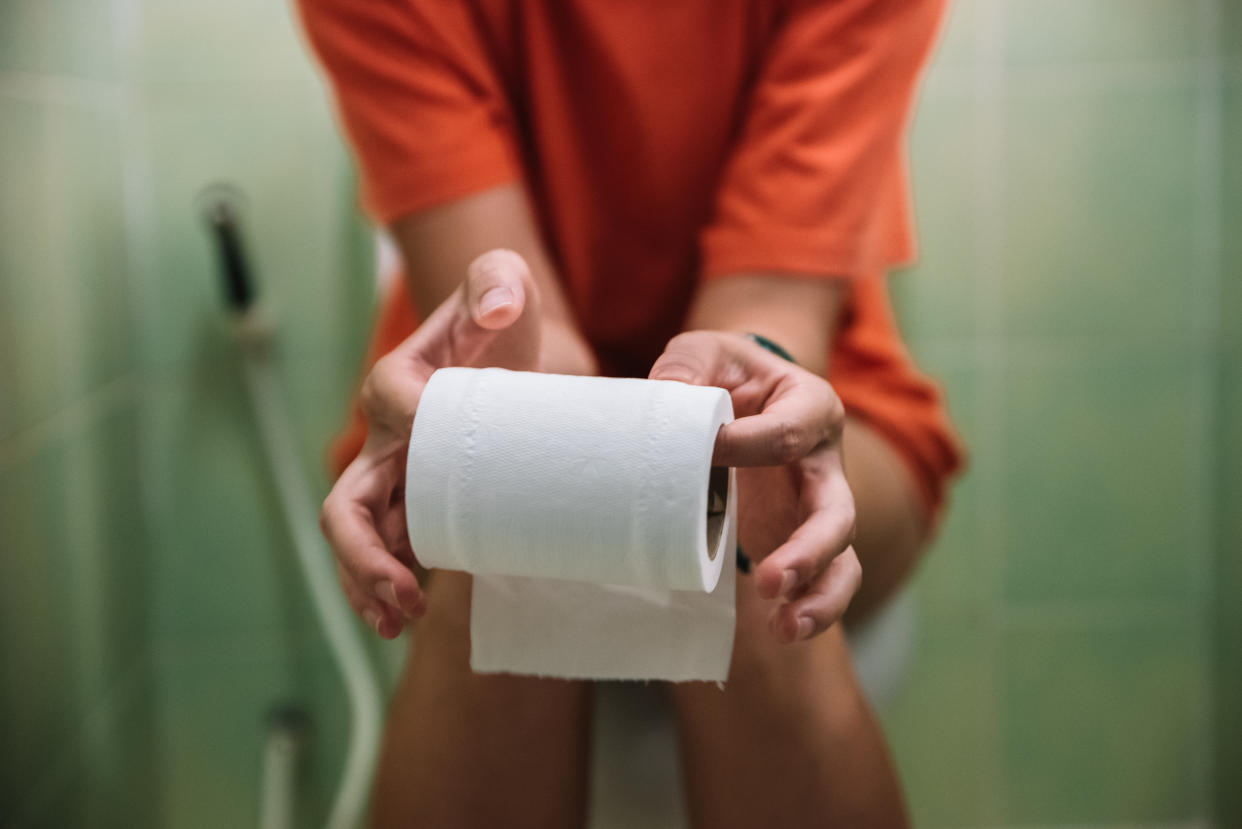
x,y
335,619
219,206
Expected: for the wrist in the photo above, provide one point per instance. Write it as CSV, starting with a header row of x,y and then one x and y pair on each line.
x,y
799,313
769,345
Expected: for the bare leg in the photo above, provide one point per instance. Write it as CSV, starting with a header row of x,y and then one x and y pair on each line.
x,y
790,741
893,525
470,750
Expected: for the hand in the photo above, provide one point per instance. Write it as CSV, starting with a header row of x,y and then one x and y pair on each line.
x,y
795,509
492,319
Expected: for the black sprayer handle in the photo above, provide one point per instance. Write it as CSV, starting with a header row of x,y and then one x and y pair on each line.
x,y
221,216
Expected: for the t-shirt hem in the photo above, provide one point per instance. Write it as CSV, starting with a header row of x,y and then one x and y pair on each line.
x,y
414,187
790,253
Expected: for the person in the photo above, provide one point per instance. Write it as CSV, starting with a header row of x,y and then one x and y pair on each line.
x,y
632,188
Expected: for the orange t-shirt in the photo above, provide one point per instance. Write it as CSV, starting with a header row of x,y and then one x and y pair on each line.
x,y
663,144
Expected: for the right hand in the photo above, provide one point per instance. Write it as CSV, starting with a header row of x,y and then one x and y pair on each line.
x,y
493,319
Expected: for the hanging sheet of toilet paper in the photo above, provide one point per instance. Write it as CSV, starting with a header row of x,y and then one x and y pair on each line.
x,y
600,537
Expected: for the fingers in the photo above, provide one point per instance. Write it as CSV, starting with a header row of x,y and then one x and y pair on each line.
x,y
789,417
785,412
493,319
378,615
377,581
809,550
800,415
828,529
804,574
692,358
495,288
823,604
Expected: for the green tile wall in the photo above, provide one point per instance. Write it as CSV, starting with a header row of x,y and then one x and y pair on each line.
x,y
941,143
1088,166
1077,654
1229,560
1099,488
150,611
1100,722
68,325
1078,661
1062,32
74,39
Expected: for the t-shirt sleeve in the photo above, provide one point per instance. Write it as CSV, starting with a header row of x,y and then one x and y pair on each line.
x,y
419,101
817,181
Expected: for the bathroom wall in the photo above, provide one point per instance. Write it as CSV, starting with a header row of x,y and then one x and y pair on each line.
x,y
1078,193
1229,499
1074,295
149,611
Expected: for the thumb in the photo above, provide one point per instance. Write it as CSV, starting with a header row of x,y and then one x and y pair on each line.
x,y
690,358
495,288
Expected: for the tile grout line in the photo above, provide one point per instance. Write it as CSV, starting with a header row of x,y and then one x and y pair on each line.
x,y
73,417
60,89
65,302
1089,78
139,208
139,211
1072,78
1206,377
1071,614
86,650
989,199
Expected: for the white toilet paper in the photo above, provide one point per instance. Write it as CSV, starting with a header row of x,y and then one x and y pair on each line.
x,y
601,538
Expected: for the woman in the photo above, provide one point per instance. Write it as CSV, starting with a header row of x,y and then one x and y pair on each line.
x,y
629,188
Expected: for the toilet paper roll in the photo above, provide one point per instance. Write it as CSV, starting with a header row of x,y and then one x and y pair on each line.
x,y
586,478
590,513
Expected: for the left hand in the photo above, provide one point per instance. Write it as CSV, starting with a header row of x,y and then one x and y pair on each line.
x,y
795,508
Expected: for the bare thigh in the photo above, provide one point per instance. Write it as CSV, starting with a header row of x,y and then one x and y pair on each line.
x,y
471,750
790,741
893,523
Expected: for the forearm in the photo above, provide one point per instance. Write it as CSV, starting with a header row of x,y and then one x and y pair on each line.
x,y
799,313
438,244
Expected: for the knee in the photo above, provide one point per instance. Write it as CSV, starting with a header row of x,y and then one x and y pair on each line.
x,y
795,681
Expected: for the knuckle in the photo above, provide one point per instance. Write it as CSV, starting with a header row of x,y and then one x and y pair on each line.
x,y
494,260
833,420
789,442
346,582
685,340
372,568
371,395
854,570
849,518
485,264
326,511
499,265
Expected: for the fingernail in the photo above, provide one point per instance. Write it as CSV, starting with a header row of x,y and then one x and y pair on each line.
x,y
789,580
372,618
805,626
494,298
388,592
